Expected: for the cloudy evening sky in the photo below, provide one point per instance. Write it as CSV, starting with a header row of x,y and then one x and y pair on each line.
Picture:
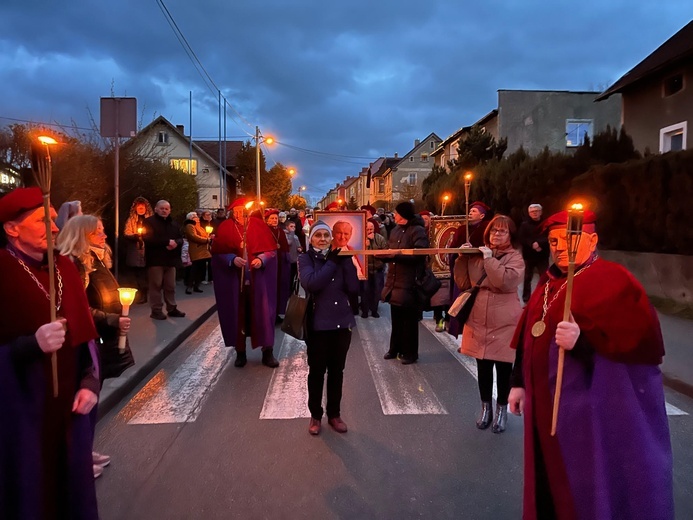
x,y
341,81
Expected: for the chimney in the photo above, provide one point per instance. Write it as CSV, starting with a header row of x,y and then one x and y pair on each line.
x,y
181,129
396,155
416,143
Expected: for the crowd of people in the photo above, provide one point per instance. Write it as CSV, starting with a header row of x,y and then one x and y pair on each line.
x,y
611,451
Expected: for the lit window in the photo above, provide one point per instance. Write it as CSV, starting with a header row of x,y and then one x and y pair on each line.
x,y
576,130
424,157
673,138
163,137
185,165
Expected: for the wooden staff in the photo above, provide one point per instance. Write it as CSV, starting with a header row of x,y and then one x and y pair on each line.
x,y
419,251
42,171
245,240
573,234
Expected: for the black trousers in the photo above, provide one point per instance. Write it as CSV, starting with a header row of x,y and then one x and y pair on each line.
x,y
327,351
370,292
484,369
404,339
530,266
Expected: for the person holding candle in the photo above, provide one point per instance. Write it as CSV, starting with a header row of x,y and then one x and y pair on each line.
x,y
45,440
83,240
611,453
134,244
198,250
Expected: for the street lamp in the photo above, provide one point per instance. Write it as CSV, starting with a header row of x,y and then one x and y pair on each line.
x,y
340,202
300,189
259,138
446,199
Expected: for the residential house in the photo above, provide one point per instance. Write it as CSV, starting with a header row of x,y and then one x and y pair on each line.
x,y
403,181
9,179
160,140
657,96
537,119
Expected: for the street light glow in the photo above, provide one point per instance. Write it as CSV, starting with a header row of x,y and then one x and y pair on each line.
x,y
269,140
46,140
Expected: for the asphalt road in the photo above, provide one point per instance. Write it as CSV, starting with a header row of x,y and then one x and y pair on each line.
x,y
203,439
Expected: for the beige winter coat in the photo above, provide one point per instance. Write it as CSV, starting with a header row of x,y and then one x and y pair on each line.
x,y
491,324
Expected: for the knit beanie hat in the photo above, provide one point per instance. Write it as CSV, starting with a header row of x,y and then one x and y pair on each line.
x,y
317,226
406,210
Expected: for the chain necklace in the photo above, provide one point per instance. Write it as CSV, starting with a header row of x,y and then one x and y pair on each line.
x,y
40,285
540,326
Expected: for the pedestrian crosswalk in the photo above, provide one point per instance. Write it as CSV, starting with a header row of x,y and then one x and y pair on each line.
x,y
401,390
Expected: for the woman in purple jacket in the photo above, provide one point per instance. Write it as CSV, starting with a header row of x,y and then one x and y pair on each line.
x,y
329,280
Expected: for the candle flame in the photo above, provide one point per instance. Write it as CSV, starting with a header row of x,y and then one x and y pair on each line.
x,y
127,295
209,229
577,206
249,204
139,230
468,176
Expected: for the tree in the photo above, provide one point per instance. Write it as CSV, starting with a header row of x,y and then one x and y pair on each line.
x,y
296,201
276,187
352,203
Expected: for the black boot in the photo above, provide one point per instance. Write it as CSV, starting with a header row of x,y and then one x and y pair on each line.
x,y
268,358
501,418
486,416
241,359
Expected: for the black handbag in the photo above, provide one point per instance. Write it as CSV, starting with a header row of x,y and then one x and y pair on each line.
x,y
295,322
427,284
461,308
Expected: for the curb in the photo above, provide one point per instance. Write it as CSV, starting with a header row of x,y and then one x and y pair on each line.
x,y
147,368
677,385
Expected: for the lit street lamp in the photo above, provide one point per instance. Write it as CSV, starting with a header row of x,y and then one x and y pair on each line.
x,y
259,138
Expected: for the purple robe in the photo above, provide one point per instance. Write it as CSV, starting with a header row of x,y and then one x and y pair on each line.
x,y
231,302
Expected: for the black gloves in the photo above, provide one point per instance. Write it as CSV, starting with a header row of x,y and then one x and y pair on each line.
x,y
334,255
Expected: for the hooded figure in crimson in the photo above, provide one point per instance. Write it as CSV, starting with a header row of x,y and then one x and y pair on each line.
x,y
244,258
611,455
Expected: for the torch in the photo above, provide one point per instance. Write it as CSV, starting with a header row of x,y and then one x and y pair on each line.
x,y
140,243
247,207
209,230
127,296
467,185
446,198
572,236
42,170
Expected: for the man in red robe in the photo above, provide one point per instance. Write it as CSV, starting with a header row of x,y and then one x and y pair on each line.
x,y
611,455
45,441
245,283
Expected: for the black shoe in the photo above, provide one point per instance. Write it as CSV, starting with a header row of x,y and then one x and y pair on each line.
x,y
197,289
390,355
175,313
188,290
364,315
157,315
241,360
268,359
375,315
501,419
408,360
485,417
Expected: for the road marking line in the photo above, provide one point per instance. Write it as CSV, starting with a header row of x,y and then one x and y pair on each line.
x,y
179,398
287,394
402,390
451,344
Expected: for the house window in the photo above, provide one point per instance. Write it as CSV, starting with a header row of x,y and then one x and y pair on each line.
x,y
576,130
411,159
433,145
411,179
185,165
163,138
673,138
673,84
381,186
424,157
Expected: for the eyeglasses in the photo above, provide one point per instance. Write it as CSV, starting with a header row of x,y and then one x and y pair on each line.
x,y
500,232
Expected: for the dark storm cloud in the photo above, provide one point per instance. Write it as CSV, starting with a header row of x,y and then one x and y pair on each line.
x,y
359,78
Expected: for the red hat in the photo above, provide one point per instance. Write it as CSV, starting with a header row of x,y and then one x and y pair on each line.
x,y
332,205
271,211
483,208
370,208
19,201
425,213
560,220
241,201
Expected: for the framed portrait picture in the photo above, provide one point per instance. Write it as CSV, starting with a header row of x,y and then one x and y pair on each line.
x,y
440,235
348,232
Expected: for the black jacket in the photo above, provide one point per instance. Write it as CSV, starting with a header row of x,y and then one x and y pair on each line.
x,y
528,234
157,233
401,275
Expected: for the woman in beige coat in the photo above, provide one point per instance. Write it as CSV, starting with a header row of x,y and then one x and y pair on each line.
x,y
496,311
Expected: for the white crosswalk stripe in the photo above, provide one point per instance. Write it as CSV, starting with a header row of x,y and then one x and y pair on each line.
x,y
402,390
287,394
180,398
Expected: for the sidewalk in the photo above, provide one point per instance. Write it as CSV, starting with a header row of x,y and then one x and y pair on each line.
x,y
152,340
678,359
